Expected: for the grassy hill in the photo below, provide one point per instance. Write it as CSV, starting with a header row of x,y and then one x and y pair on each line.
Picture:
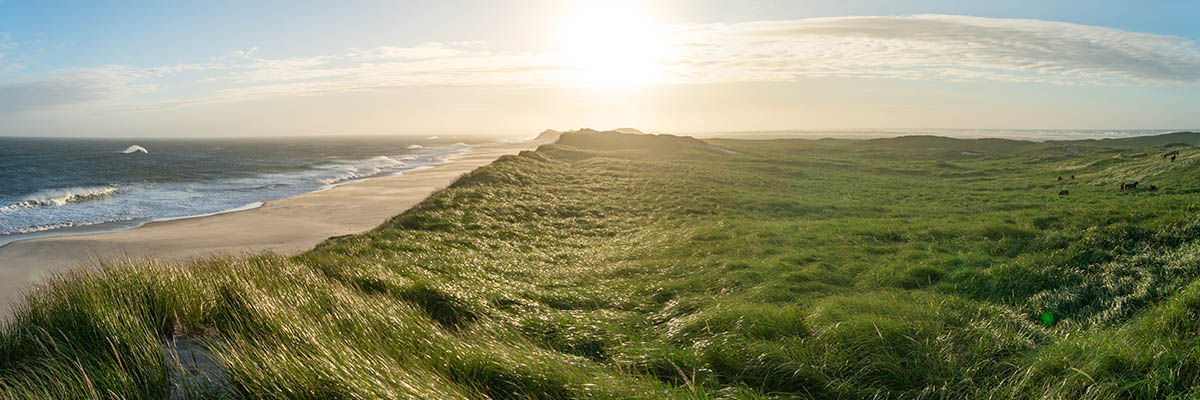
x,y
1174,139
614,265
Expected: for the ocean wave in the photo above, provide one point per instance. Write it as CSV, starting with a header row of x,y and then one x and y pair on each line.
x,y
42,228
61,197
414,147
136,149
363,169
352,170
58,226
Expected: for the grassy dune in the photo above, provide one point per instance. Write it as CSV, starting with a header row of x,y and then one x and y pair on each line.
x,y
637,266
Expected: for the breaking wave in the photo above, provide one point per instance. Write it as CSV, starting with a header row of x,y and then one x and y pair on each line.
x,y
213,182
364,169
136,149
61,197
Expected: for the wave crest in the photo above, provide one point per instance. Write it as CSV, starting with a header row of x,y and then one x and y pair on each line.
x,y
61,197
136,149
364,169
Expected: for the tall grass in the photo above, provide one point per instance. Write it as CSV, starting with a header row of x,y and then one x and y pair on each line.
x,y
610,266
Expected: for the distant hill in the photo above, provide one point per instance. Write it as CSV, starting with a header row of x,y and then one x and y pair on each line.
x,y
633,139
941,144
937,144
551,135
1174,138
625,138
547,136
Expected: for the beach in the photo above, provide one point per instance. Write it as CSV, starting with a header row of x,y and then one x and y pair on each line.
x,y
286,226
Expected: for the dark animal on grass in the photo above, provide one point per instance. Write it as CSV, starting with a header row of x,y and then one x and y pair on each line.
x,y
1153,188
1060,178
1172,158
1064,193
1122,186
1072,177
1131,186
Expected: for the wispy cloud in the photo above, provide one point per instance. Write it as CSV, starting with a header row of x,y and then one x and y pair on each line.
x,y
6,43
16,54
37,95
929,47
933,47
76,86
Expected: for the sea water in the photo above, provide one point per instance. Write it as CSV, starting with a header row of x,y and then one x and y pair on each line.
x,y
60,186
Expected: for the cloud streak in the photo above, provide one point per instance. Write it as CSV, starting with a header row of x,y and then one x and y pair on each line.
x,y
935,47
922,47
6,43
27,96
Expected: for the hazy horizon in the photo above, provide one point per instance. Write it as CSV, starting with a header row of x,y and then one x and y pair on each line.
x,y
835,133
508,68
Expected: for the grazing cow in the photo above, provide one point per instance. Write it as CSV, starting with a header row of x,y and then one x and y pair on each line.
x,y
1122,186
1172,158
1072,177
1064,193
1131,186
1060,177
1153,188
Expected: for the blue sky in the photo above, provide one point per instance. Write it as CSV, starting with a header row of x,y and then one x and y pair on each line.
x,y
227,68
69,34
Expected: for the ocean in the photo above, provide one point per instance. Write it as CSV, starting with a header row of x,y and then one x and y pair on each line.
x,y
62,186
53,186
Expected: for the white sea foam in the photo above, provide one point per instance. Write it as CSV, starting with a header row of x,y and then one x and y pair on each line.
x,y
113,207
136,149
415,146
61,197
363,169
56,226
45,227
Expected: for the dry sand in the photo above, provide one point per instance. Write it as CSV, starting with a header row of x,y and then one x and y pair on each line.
x,y
287,226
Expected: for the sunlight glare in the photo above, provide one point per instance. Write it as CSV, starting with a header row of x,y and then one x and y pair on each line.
x,y
610,44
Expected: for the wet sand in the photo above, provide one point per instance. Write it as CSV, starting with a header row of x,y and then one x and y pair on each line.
x,y
287,226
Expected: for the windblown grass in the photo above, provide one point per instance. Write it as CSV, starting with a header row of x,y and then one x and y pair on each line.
x,y
610,266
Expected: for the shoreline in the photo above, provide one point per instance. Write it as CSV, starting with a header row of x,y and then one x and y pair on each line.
x,y
288,225
120,226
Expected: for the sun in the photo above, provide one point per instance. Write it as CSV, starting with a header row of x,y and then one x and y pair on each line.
x,y
610,44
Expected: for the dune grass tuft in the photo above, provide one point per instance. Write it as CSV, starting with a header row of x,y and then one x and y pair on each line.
x,y
615,267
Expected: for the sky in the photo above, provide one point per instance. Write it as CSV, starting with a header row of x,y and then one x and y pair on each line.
x,y
271,68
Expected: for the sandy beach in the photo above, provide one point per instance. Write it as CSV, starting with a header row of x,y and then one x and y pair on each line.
x,y
287,226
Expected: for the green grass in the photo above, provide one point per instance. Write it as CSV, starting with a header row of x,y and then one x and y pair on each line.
x,y
628,266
